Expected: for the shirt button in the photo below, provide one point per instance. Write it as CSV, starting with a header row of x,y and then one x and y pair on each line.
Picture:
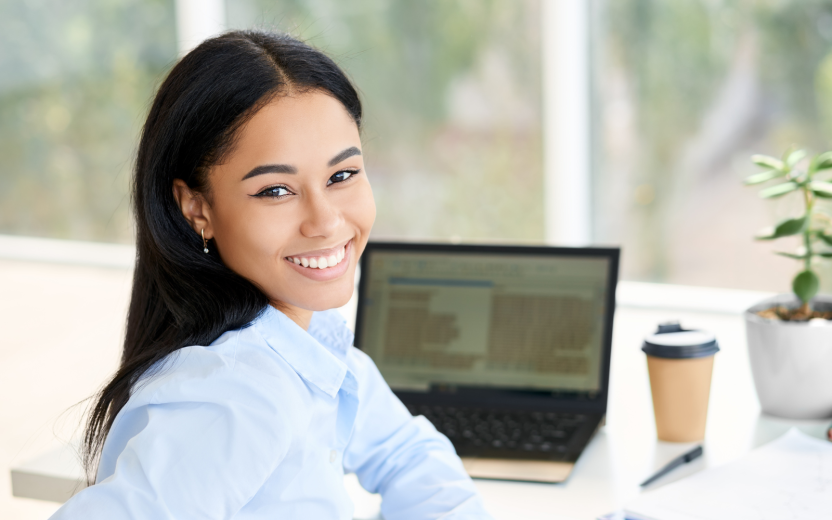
x,y
333,455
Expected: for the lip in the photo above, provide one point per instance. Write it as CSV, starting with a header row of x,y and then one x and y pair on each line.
x,y
330,273
321,252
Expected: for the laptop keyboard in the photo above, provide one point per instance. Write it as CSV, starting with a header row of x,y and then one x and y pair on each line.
x,y
473,430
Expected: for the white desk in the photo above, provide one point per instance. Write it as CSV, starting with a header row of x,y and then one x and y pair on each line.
x,y
625,451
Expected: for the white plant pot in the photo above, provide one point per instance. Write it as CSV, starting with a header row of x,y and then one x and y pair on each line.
x,y
791,361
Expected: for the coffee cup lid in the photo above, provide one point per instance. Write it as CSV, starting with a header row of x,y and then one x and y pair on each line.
x,y
674,342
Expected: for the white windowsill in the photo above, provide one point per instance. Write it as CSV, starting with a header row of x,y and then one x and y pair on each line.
x,y
629,294
73,252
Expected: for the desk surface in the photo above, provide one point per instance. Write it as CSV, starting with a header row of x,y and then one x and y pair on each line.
x,y
625,450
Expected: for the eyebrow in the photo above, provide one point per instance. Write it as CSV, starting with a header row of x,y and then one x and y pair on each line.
x,y
285,168
349,152
270,168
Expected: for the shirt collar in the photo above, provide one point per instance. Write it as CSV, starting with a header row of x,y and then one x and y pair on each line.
x,y
330,329
305,354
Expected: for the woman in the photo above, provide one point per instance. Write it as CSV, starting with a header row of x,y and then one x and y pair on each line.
x,y
239,394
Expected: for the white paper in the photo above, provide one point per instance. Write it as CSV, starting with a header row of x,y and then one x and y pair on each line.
x,y
787,479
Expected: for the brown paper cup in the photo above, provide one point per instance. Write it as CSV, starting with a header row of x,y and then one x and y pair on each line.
x,y
680,389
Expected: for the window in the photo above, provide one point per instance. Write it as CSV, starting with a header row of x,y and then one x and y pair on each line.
x,y
681,94
684,92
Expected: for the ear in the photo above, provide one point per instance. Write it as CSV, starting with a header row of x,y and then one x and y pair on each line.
x,y
194,207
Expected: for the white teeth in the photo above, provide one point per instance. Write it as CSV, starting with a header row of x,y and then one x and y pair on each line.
x,y
321,262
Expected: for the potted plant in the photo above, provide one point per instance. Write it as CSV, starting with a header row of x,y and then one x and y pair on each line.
x,y
790,335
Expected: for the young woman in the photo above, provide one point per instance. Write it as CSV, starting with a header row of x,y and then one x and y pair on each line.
x,y
239,394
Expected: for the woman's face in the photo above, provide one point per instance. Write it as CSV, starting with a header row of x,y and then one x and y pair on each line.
x,y
290,208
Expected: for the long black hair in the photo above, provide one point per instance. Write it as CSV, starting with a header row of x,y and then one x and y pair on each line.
x,y
182,296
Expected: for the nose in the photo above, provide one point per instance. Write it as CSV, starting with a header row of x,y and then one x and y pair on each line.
x,y
321,217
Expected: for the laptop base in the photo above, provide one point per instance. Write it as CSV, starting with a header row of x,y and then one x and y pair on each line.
x,y
521,470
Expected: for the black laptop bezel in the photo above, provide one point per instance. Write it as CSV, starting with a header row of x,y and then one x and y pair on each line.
x,y
440,395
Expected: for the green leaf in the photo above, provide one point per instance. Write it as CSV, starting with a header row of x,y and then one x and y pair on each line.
x,y
821,189
824,254
795,157
779,190
759,178
788,227
826,238
805,285
767,162
790,255
823,161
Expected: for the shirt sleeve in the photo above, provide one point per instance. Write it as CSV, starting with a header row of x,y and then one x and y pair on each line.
x,y
404,458
198,448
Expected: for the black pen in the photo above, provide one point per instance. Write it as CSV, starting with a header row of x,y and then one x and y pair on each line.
x,y
675,463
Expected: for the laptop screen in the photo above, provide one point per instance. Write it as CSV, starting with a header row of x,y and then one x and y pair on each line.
x,y
499,320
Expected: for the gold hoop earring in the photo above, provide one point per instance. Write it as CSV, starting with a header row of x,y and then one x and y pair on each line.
x,y
204,242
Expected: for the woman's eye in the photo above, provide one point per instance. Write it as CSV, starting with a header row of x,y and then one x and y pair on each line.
x,y
341,176
275,192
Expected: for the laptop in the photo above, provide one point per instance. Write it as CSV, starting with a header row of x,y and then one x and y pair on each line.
x,y
505,349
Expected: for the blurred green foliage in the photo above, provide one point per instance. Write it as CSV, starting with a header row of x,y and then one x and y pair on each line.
x,y
703,83
75,82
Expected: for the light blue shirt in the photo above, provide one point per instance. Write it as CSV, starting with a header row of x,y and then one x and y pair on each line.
x,y
262,424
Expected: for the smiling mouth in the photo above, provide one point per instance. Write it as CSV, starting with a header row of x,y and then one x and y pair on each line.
x,y
320,261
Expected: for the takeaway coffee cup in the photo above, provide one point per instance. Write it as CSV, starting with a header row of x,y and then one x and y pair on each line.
x,y
680,363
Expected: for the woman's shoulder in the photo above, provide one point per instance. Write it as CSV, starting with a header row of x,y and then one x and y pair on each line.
x,y
237,365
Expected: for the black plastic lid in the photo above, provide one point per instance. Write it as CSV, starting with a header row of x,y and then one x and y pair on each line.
x,y
673,342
